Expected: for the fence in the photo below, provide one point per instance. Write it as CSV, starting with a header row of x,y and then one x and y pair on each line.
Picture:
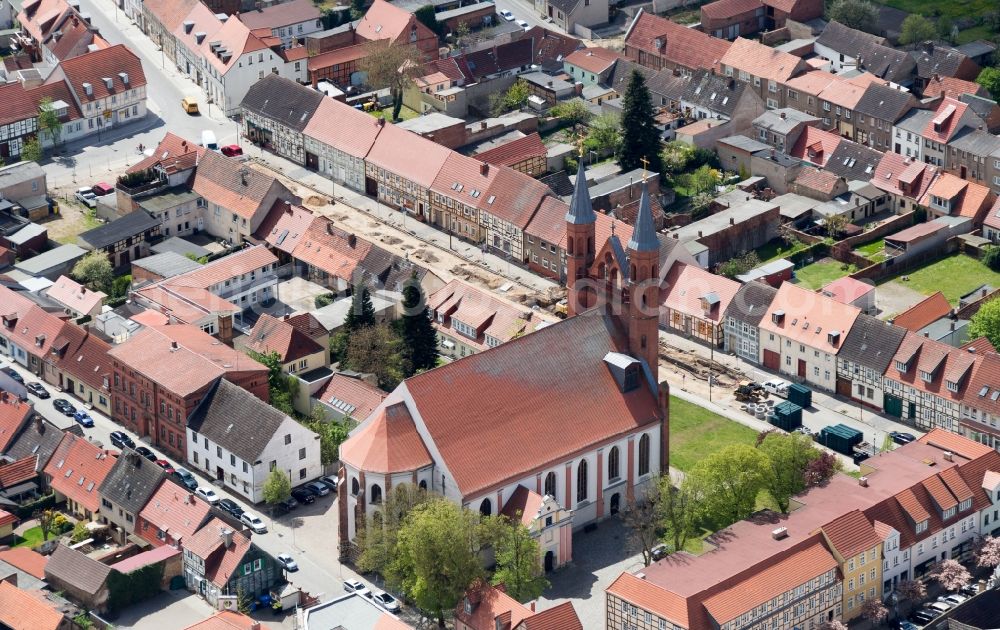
x,y
890,226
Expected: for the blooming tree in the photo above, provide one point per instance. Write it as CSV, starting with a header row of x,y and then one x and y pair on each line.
x,y
951,575
911,590
874,611
989,552
832,625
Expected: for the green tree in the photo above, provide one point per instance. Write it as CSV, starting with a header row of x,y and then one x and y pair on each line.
x,y
991,257
83,621
243,601
120,285
739,265
989,78
858,14
391,65
728,482
788,456
31,150
835,226
362,311
331,435
514,98
437,555
572,112
640,138
519,561
605,134
377,540
916,28
48,120
46,522
324,299
419,336
676,157
680,510
642,519
986,323
94,270
378,350
277,487
80,532
428,18
279,385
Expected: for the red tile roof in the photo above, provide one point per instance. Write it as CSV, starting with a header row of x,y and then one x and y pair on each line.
x,y
329,248
230,184
815,146
27,611
227,620
943,362
411,156
761,61
957,444
18,472
284,14
846,290
22,104
722,9
894,169
685,286
386,21
952,87
809,317
26,559
487,314
95,66
352,396
523,506
270,334
343,127
76,470
683,46
946,121
6,518
968,199
221,561
170,13
463,179
387,442
284,225
923,313
13,415
174,510
516,196
812,82
651,597
146,558
245,261
75,295
491,602
820,181
235,37
560,617
331,58
173,153
595,59
992,218
851,534
515,151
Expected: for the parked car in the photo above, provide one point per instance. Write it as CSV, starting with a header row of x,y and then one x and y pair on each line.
x,y
190,104
303,495
253,522
166,466
356,586
317,488
63,406
208,140
121,440
507,15
86,196
14,374
208,494
900,437
386,601
287,561
231,507
287,505
330,482
777,387
37,389
103,189
523,24
186,479
970,589
231,150
148,454
83,418
954,598
906,625
939,606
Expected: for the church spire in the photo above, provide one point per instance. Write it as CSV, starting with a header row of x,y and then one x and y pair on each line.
x,y
644,235
581,211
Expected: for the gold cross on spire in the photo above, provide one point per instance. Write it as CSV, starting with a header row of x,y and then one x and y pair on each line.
x,y
645,163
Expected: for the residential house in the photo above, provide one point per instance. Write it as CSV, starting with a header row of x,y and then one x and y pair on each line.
x,y
125,491
661,44
949,118
974,154
512,199
225,445
568,14
980,412
711,96
79,577
905,179
952,87
875,114
189,33
857,547
348,395
337,140
469,320
24,183
527,155
729,19
296,352
329,256
236,198
781,128
14,416
934,60
76,300
487,607
923,313
276,111
219,561
951,196
742,317
591,66
18,605
401,167
308,325
75,471
816,146
171,516
843,46
458,196
765,68
927,381
125,239
162,373
864,357
694,303
802,333
19,123
160,18
837,102
853,161
290,21
908,134
173,209
991,223
383,20
107,86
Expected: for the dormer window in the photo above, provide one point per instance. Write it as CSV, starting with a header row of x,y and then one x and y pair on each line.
x,y
952,386
902,366
926,376
631,378
965,505
941,202
945,515
922,526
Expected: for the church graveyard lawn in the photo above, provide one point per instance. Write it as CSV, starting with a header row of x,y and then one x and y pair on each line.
x,y
696,432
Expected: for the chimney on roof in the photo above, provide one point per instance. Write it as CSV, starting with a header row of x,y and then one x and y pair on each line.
x,y
39,421
226,535
191,499
482,125
782,114
173,346
779,533
732,221
927,334
188,27
352,240
948,456
972,349
578,88
381,122
928,47
484,169
863,482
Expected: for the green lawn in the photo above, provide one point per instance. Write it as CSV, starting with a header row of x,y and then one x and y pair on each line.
x,y
777,248
696,432
821,273
953,9
31,538
954,276
404,114
874,251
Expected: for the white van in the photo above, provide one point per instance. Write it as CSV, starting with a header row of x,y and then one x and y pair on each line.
x,y
208,140
777,387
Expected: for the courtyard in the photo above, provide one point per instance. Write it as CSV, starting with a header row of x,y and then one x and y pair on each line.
x,y
821,273
954,276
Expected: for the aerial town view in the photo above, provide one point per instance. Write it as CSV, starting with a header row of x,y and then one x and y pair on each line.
x,y
499,314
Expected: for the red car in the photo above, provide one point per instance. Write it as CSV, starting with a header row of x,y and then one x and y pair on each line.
x,y
103,189
165,465
232,150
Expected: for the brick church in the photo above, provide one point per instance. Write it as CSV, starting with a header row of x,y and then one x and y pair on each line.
x,y
559,428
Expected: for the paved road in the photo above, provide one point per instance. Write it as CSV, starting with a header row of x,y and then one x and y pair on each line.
x,y
525,10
